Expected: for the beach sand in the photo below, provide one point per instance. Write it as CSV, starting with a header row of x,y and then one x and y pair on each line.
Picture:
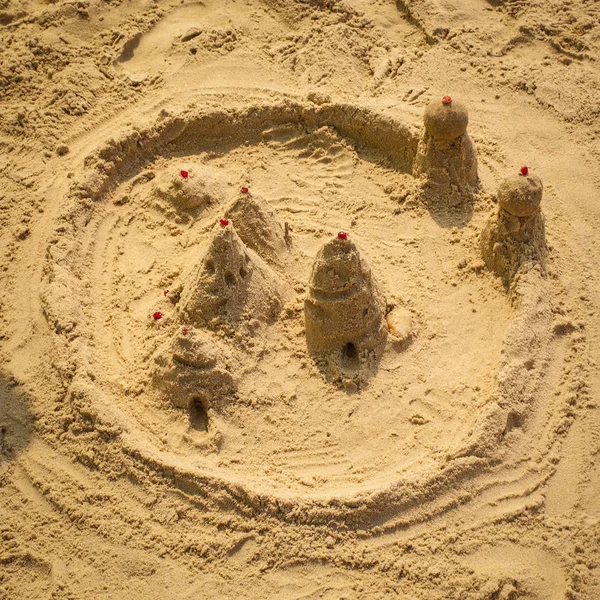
x,y
264,335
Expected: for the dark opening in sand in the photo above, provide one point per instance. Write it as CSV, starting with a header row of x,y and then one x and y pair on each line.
x,y
350,356
198,414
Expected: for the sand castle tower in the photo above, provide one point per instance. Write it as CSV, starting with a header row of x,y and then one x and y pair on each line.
x,y
194,371
258,227
229,282
344,311
446,156
515,235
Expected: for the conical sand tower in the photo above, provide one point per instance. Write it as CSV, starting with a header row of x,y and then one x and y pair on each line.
x,y
229,281
515,235
344,311
258,226
446,155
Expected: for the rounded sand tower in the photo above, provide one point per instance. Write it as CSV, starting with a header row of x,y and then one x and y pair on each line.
x,y
446,156
194,372
344,312
515,235
228,283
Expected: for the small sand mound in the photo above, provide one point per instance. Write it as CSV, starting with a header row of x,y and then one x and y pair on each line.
x,y
515,235
228,283
193,369
258,227
190,186
344,311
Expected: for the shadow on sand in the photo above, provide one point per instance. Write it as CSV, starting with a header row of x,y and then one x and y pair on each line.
x,y
16,422
448,207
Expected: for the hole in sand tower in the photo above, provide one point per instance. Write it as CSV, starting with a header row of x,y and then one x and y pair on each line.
x,y
209,266
243,272
229,278
513,421
350,356
198,414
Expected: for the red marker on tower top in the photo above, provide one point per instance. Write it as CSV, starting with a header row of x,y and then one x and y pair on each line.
x,y
244,190
447,100
342,235
184,173
223,222
157,315
524,171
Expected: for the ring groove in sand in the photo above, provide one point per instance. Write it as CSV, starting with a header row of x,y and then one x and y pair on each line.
x,y
435,480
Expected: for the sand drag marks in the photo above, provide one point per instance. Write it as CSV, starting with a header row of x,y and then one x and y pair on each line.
x,y
311,581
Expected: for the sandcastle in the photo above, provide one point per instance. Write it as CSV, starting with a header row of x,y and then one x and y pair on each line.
x,y
258,227
228,282
445,155
515,235
190,186
193,370
344,311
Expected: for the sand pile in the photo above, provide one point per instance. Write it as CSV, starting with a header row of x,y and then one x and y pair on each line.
x,y
194,371
258,227
190,187
229,283
207,392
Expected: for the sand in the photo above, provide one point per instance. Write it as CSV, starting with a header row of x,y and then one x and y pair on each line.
x,y
206,392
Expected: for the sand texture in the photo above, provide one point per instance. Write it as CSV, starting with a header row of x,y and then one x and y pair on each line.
x,y
283,314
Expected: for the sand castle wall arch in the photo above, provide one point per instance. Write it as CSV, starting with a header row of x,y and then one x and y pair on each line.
x,y
436,478
197,129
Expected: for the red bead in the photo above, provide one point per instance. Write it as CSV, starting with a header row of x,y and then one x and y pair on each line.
x,y
342,235
185,329
166,292
157,315
223,222
244,190
184,174
524,171
446,100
